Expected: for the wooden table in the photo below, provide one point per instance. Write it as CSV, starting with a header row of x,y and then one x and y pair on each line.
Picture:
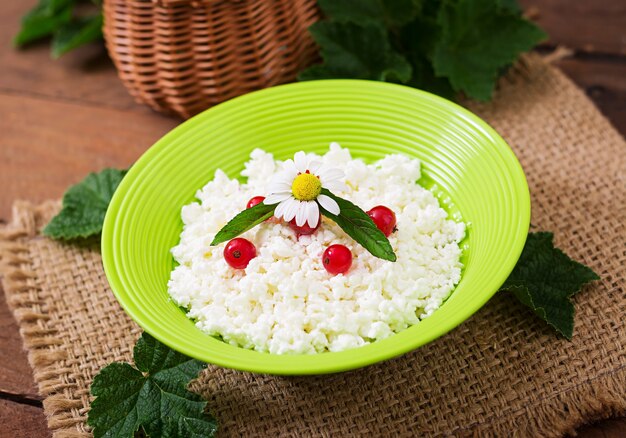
x,y
61,119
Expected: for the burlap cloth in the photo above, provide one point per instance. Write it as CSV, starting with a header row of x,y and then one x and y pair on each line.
x,y
501,373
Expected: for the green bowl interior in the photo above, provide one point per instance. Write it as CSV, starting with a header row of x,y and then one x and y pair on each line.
x,y
465,163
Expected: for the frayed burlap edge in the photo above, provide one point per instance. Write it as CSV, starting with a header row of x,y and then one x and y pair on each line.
x,y
45,349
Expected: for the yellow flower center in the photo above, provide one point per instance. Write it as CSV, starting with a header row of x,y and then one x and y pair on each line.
x,y
306,187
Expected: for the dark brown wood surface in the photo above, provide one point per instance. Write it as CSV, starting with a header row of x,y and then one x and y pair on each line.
x,y
62,119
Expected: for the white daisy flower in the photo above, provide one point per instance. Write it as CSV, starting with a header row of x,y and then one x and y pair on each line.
x,y
298,190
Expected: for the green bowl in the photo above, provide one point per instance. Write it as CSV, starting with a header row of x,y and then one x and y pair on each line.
x,y
465,163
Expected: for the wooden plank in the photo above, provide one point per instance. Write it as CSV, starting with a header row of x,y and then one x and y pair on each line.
x,y
16,377
609,428
604,80
86,75
20,420
590,26
48,145
597,72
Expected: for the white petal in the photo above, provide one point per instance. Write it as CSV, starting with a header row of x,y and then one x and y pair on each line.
x,y
301,214
312,214
291,209
314,166
280,209
281,182
279,187
289,168
328,204
275,198
300,161
328,175
336,186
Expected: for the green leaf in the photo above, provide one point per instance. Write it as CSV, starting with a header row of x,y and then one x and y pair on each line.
x,y
244,221
152,395
379,12
76,33
419,38
510,5
354,51
43,20
442,46
479,38
400,12
353,11
54,6
545,279
358,225
424,79
84,206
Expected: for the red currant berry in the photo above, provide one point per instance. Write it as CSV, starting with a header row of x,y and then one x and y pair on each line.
x,y
384,218
305,229
257,200
254,201
337,259
238,253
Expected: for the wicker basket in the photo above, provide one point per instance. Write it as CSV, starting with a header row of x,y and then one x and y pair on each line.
x,y
181,57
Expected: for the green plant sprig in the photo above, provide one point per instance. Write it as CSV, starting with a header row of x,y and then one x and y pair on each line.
x,y
442,46
60,20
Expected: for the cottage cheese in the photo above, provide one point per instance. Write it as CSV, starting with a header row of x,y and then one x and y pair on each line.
x,y
285,301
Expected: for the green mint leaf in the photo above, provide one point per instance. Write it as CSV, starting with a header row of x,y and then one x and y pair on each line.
x,y
545,279
76,33
479,38
358,225
355,51
153,396
244,221
43,20
84,206
379,12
